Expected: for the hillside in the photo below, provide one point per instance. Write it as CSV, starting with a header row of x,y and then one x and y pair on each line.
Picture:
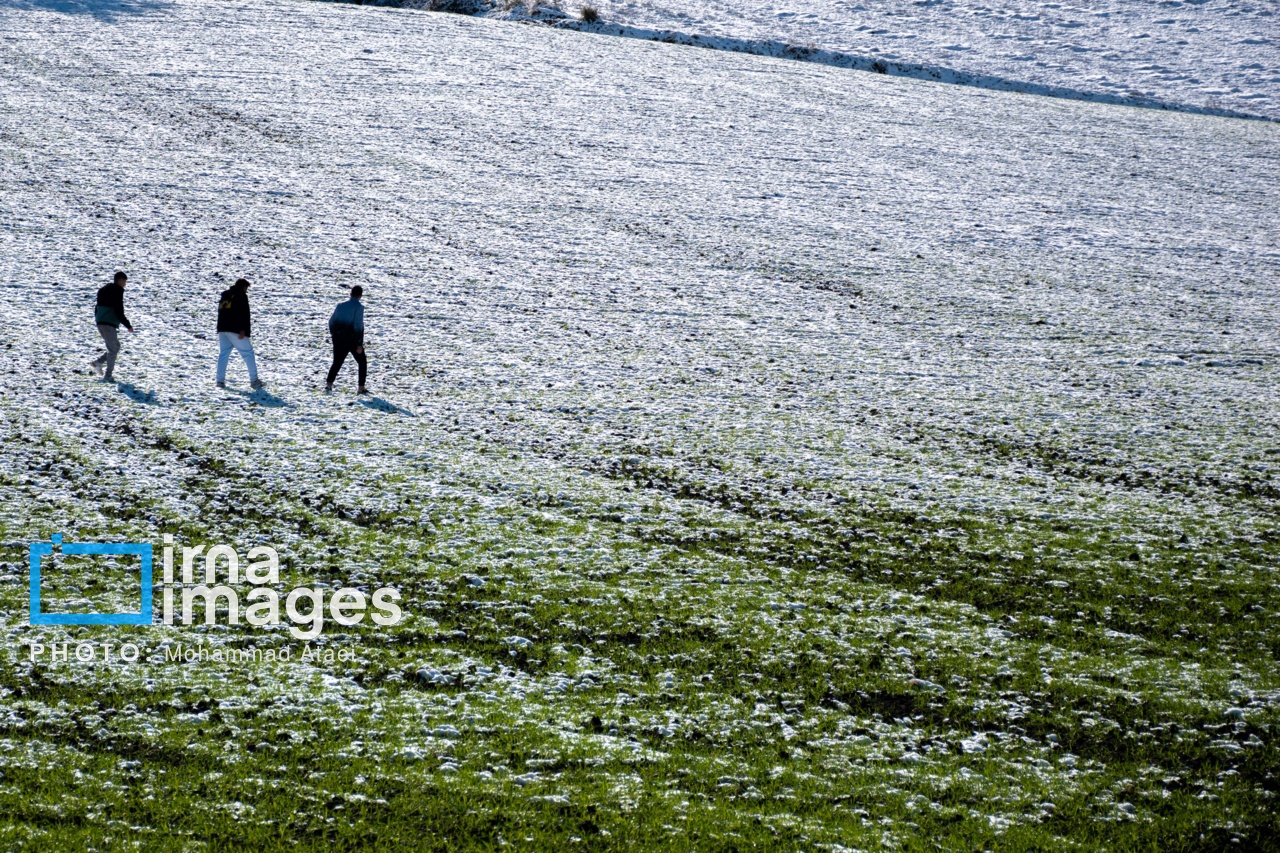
x,y
1198,54
768,455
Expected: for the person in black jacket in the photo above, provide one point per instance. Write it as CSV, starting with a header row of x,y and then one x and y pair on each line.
x,y
233,332
109,315
346,329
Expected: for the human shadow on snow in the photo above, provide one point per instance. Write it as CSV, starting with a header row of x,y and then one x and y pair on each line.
x,y
261,397
136,394
103,10
378,404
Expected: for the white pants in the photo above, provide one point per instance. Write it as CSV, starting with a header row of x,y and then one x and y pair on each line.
x,y
228,341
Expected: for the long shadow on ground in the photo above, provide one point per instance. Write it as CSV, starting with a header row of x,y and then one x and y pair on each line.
x,y
378,404
261,397
104,10
136,394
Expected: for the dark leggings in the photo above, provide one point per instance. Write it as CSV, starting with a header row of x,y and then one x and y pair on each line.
x,y
340,350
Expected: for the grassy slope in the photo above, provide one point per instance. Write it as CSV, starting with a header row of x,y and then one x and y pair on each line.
x,y
779,588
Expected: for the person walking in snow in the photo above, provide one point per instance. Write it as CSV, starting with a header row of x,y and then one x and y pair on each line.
x,y
109,315
233,332
346,328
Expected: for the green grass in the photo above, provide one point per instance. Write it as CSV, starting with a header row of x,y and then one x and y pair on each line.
x,y
703,662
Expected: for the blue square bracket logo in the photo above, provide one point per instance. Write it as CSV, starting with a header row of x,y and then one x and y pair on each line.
x,y
41,549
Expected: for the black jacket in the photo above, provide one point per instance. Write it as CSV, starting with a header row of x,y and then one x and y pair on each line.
x,y
233,311
110,306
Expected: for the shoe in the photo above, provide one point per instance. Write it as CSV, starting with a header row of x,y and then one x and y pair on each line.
x,y
221,384
97,367
328,387
363,390
257,384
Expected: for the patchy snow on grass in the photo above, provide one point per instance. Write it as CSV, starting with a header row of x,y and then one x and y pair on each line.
x,y
1199,54
762,449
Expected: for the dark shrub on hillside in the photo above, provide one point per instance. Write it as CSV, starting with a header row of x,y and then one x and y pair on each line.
x,y
459,7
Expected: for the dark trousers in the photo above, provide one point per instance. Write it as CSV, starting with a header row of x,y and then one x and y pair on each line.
x,y
341,347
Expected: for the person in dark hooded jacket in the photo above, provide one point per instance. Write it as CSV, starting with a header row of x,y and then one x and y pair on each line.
x,y
109,315
346,329
233,332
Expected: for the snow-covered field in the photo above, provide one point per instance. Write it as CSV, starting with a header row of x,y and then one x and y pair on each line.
x,y
702,383
1222,54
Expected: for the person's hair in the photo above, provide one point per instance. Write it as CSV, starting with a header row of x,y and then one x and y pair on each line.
x,y
357,292
242,283
120,276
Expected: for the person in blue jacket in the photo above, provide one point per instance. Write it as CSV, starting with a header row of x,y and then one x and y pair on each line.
x,y
346,328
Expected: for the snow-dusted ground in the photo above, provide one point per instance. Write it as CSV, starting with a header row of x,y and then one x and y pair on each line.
x,y
569,248
1210,53
589,258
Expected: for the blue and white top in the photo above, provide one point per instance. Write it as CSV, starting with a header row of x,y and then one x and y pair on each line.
x,y
348,319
